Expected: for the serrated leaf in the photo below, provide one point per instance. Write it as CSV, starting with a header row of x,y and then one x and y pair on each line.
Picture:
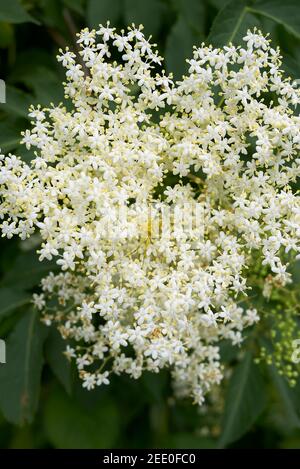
x,y
59,364
13,12
245,401
227,22
10,300
69,425
237,16
99,12
20,375
285,13
231,23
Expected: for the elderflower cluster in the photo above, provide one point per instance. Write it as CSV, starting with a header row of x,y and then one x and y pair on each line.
x,y
225,138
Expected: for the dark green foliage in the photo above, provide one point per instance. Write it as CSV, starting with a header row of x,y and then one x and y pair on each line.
x,y
20,377
245,400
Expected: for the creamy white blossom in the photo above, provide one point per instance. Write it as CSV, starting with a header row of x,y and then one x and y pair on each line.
x,y
227,140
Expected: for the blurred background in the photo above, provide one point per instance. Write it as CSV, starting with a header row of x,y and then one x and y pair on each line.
x,y
42,404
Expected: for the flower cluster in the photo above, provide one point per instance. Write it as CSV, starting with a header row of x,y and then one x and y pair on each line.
x,y
225,138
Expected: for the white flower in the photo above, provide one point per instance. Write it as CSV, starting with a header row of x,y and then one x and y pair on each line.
x,y
70,352
134,294
102,378
38,301
86,311
89,381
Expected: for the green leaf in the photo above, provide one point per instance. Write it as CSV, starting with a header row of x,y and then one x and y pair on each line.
x,y
76,5
20,375
231,23
13,12
148,13
218,4
227,23
295,271
17,102
10,134
155,386
52,14
71,426
193,11
188,31
228,351
236,17
176,56
30,60
10,300
289,398
59,364
291,66
99,12
43,77
27,271
45,84
245,401
282,12
6,34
